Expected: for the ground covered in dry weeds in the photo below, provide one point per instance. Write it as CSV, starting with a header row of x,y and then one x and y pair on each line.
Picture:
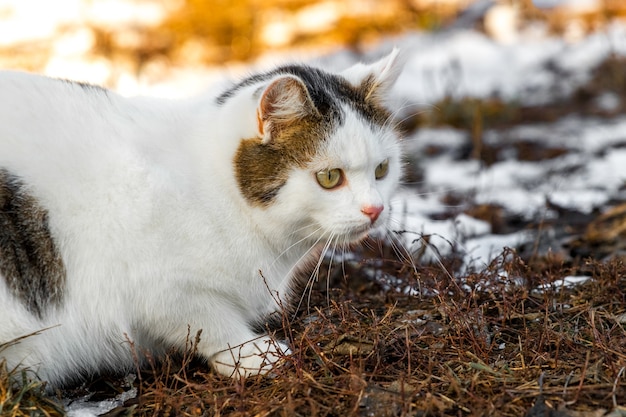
x,y
492,344
381,336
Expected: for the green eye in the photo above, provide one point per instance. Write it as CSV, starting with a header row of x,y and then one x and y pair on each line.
x,y
382,169
330,178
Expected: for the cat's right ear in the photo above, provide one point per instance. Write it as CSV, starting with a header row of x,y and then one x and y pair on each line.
x,y
377,78
284,101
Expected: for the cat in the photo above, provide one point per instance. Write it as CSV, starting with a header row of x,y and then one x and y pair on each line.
x,y
135,222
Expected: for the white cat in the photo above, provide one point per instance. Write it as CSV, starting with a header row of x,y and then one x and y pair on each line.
x,y
144,220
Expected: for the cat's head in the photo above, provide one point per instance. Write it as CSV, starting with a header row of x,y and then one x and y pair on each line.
x,y
325,160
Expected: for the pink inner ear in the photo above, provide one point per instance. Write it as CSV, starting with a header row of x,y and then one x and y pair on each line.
x,y
283,98
284,101
259,122
270,100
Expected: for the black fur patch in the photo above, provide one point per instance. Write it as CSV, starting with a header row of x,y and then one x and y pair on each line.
x,y
29,261
87,86
325,89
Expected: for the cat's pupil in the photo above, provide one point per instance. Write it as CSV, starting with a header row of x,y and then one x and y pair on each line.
x,y
330,178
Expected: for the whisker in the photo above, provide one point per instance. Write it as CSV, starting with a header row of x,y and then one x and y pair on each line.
x,y
392,121
336,247
434,252
320,261
312,278
400,250
295,244
299,229
314,245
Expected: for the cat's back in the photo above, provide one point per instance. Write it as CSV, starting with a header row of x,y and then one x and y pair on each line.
x,y
36,98
40,114
54,125
32,100
85,152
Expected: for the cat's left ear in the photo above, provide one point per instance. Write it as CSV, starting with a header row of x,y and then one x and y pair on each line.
x,y
284,101
376,78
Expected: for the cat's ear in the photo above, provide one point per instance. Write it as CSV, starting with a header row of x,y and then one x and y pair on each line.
x,y
376,78
284,101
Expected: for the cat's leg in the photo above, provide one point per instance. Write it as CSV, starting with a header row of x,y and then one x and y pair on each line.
x,y
253,357
225,337
233,349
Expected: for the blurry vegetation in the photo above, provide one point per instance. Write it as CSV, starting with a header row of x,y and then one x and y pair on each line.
x,y
220,30
214,31
200,32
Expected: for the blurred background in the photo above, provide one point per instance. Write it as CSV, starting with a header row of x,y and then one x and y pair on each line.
x,y
130,45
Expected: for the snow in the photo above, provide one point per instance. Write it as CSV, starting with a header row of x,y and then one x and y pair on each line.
x,y
468,64
583,179
480,251
82,407
591,174
568,281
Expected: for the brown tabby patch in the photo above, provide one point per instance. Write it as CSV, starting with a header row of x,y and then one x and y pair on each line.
x,y
29,261
262,169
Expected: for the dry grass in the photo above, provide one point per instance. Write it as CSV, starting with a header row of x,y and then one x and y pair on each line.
x,y
489,344
26,398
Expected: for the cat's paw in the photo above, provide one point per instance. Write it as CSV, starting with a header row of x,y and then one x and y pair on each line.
x,y
256,357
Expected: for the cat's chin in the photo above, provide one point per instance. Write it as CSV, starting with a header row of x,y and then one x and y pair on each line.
x,y
357,235
346,238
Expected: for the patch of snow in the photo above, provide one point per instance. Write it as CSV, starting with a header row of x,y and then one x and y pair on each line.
x,y
608,101
568,281
82,407
466,63
470,226
582,200
481,251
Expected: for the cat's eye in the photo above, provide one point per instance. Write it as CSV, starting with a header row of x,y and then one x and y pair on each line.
x,y
382,169
330,178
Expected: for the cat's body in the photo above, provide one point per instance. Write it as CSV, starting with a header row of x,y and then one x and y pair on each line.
x,y
144,221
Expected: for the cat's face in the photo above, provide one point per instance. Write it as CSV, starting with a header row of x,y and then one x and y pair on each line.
x,y
326,159
344,192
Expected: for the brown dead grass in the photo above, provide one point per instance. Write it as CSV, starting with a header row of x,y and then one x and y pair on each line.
x,y
26,398
478,346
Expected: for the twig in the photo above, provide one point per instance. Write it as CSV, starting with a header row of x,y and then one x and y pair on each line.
x,y
619,375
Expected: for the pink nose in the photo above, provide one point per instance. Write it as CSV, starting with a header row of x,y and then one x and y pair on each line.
x,y
372,212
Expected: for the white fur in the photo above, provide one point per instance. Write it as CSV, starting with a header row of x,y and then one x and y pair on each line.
x,y
156,238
